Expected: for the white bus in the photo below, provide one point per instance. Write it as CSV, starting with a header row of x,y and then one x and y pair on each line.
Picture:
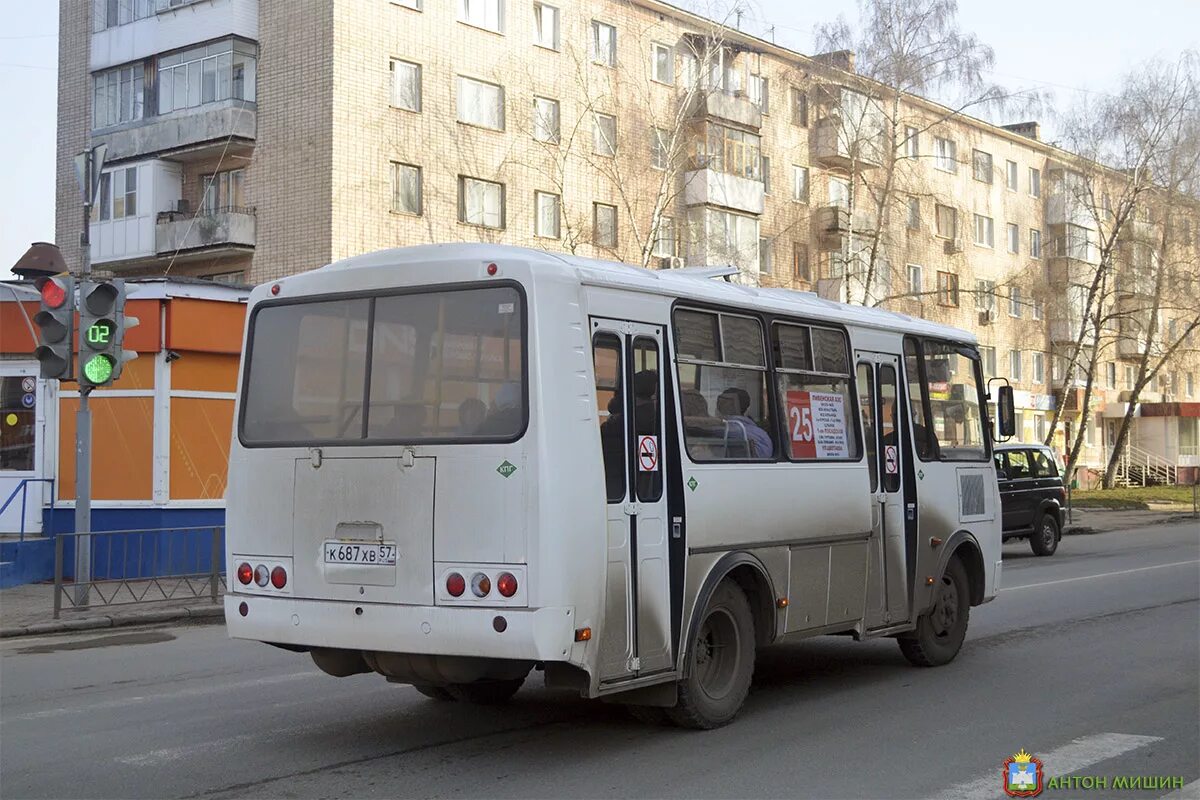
x,y
454,464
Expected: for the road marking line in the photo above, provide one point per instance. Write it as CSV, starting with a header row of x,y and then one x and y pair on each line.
x,y
1189,792
165,755
168,694
1079,754
1101,575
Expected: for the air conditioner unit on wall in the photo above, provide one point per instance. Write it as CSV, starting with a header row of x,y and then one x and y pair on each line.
x,y
987,317
954,245
670,262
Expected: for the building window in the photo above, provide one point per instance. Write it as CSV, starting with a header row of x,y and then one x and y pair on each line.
x,y
984,231
988,356
800,268
1191,384
1035,182
760,93
985,295
604,44
660,151
664,238
662,63
799,107
415,5
1130,376
914,279
947,289
1011,175
480,103
689,69
111,13
604,225
548,212
1035,243
545,120
1014,364
981,163
1014,238
118,195
1039,308
764,256
1110,375
946,219
1039,367
486,14
912,142
118,96
800,184
480,202
406,188
223,191
766,174
1014,302
730,150
914,213
545,20
206,74
839,193
604,135
945,155
406,85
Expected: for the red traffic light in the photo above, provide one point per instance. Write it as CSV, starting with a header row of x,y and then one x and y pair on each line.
x,y
54,293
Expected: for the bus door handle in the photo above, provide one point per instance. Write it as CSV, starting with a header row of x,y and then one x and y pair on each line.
x,y
630,509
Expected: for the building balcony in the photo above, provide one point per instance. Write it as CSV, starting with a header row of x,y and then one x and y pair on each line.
x,y
725,107
832,224
225,127
1067,209
835,145
1064,271
224,231
709,187
1064,329
1131,283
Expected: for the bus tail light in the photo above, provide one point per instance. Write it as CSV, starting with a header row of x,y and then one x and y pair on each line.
x,y
480,584
455,584
262,575
245,574
507,584
279,577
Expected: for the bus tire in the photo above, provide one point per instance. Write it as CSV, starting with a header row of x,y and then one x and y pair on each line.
x,y
720,662
941,630
1044,540
434,692
485,693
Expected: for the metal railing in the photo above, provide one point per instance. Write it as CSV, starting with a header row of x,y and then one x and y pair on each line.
x,y
22,488
1138,467
142,566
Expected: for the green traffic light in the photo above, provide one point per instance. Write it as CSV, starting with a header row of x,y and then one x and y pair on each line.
x,y
98,369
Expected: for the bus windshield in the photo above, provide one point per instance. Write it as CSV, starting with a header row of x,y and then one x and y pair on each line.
x,y
444,366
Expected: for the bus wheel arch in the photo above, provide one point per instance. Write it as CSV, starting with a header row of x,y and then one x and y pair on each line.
x,y
752,578
967,551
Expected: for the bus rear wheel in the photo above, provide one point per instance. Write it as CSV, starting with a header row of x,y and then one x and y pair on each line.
x,y
485,693
720,662
941,630
434,692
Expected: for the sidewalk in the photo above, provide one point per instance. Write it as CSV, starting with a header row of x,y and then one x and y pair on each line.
x,y
29,610
1105,520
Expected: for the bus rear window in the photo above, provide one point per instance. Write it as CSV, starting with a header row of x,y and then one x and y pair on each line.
x,y
443,366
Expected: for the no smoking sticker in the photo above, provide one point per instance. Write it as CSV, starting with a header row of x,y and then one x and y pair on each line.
x,y
890,461
27,384
647,451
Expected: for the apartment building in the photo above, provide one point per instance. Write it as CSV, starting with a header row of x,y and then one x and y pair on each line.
x,y
251,139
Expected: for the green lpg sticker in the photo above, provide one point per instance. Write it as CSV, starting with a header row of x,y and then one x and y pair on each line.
x,y
507,468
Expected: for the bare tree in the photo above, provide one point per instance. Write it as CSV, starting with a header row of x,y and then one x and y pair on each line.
x,y
901,47
1133,149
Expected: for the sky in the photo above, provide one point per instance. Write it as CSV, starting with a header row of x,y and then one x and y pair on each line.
x,y
1066,48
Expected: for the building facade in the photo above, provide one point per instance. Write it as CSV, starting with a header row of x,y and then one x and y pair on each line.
x,y
252,139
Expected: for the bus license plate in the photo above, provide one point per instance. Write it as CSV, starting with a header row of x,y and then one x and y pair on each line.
x,y
382,554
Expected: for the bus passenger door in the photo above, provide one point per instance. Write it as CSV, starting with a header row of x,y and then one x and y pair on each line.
x,y
635,637
891,454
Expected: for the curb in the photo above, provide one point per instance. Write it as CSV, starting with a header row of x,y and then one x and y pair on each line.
x,y
203,615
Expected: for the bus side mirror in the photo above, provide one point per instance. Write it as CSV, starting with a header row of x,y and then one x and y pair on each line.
x,y
1006,411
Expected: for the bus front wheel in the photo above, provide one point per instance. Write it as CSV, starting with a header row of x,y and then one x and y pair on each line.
x,y
720,662
941,630
433,692
486,693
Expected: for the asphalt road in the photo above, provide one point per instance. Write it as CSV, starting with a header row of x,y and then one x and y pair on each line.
x,y
1089,660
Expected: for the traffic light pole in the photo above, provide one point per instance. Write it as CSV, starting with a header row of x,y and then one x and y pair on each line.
x,y
83,418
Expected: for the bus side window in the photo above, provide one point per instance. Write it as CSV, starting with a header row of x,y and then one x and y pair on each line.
x,y
606,357
647,415
916,394
866,403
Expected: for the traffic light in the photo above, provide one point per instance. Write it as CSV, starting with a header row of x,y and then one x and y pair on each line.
x,y
102,325
56,321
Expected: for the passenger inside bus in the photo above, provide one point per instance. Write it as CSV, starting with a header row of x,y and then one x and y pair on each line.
x,y
732,405
505,418
471,413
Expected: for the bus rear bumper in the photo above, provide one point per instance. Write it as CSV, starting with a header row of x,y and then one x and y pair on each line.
x,y
537,634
